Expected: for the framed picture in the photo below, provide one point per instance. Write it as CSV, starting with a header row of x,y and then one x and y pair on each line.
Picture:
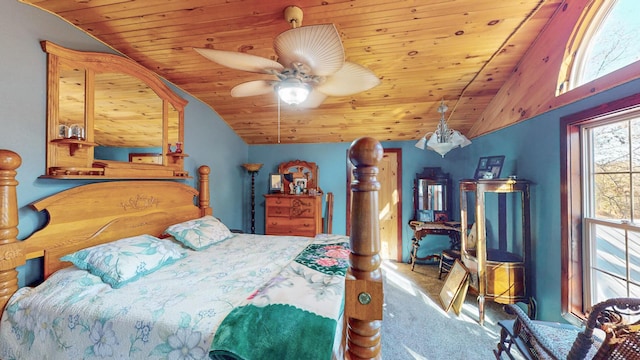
x,y
440,216
455,287
489,167
275,183
301,183
425,215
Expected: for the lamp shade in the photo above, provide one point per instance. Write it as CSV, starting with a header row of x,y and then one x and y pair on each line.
x,y
440,147
292,91
251,167
422,142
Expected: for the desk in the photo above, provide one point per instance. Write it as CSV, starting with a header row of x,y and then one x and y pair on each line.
x,y
421,229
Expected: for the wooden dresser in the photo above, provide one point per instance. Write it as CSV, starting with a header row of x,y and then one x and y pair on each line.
x,y
293,214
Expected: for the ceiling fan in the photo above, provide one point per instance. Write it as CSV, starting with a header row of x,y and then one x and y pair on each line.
x,y
311,65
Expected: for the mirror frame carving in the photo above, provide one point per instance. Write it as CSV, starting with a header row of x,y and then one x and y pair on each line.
x,y
300,167
73,158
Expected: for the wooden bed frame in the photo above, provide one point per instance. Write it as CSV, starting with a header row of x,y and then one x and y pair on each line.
x,y
98,213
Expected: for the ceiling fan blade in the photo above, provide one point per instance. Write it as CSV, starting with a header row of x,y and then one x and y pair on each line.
x,y
349,80
317,46
314,100
253,88
241,61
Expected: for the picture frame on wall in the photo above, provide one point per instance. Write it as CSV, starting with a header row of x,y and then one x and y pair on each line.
x,y
489,167
275,183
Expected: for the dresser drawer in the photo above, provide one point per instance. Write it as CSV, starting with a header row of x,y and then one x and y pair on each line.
x,y
278,201
278,211
299,227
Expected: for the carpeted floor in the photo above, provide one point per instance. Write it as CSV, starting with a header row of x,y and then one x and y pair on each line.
x,y
415,325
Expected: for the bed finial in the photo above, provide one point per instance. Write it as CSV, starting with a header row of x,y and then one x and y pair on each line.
x,y
364,295
11,254
203,198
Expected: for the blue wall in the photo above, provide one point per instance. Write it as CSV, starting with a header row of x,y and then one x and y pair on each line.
x,y
531,149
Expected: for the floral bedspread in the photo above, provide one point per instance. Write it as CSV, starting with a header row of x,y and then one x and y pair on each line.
x,y
74,315
309,291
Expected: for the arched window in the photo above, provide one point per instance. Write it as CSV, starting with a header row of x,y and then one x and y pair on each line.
x,y
605,40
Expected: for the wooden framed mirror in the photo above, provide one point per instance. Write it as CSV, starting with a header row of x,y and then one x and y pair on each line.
x,y
101,109
432,195
299,171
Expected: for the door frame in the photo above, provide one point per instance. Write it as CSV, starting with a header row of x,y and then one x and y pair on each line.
x,y
398,152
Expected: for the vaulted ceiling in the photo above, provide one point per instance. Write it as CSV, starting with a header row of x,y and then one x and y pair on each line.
x,y
423,51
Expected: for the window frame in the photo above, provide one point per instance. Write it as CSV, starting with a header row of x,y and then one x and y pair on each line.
x,y
573,303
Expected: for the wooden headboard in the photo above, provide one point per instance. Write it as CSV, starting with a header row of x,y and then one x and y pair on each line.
x,y
98,213
89,215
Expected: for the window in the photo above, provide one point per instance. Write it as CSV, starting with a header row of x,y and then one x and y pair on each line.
x,y
611,176
601,205
604,41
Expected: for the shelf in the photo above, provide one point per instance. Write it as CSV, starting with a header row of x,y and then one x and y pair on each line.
x,y
104,177
74,144
175,156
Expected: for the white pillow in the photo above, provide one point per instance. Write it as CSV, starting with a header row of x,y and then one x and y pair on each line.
x,y
200,233
126,260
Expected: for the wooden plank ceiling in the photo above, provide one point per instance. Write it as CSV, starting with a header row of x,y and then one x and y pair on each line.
x,y
423,51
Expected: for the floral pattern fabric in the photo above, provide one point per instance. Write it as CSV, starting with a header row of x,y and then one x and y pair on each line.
x,y
121,262
172,313
308,291
199,234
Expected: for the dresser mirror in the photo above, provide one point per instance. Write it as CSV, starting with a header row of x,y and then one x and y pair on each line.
x,y
432,195
304,174
104,111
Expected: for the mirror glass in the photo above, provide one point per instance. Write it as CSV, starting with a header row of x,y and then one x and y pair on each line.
x,y
71,100
173,127
127,117
431,196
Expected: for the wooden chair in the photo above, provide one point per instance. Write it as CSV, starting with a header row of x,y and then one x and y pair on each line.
x,y
615,322
447,258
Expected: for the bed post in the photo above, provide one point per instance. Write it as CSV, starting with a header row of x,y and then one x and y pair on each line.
x,y
203,198
364,294
11,255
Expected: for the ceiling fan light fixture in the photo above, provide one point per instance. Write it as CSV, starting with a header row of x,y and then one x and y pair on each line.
x,y
293,91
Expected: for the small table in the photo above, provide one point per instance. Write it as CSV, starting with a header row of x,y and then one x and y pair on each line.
x,y
421,229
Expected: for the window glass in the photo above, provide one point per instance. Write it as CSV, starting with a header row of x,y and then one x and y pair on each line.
x,y
609,251
610,163
611,42
609,202
634,255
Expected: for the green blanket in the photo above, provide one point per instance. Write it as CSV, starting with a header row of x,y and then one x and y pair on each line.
x,y
295,315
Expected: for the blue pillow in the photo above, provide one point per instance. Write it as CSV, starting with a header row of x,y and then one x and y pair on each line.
x,y
121,262
200,233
